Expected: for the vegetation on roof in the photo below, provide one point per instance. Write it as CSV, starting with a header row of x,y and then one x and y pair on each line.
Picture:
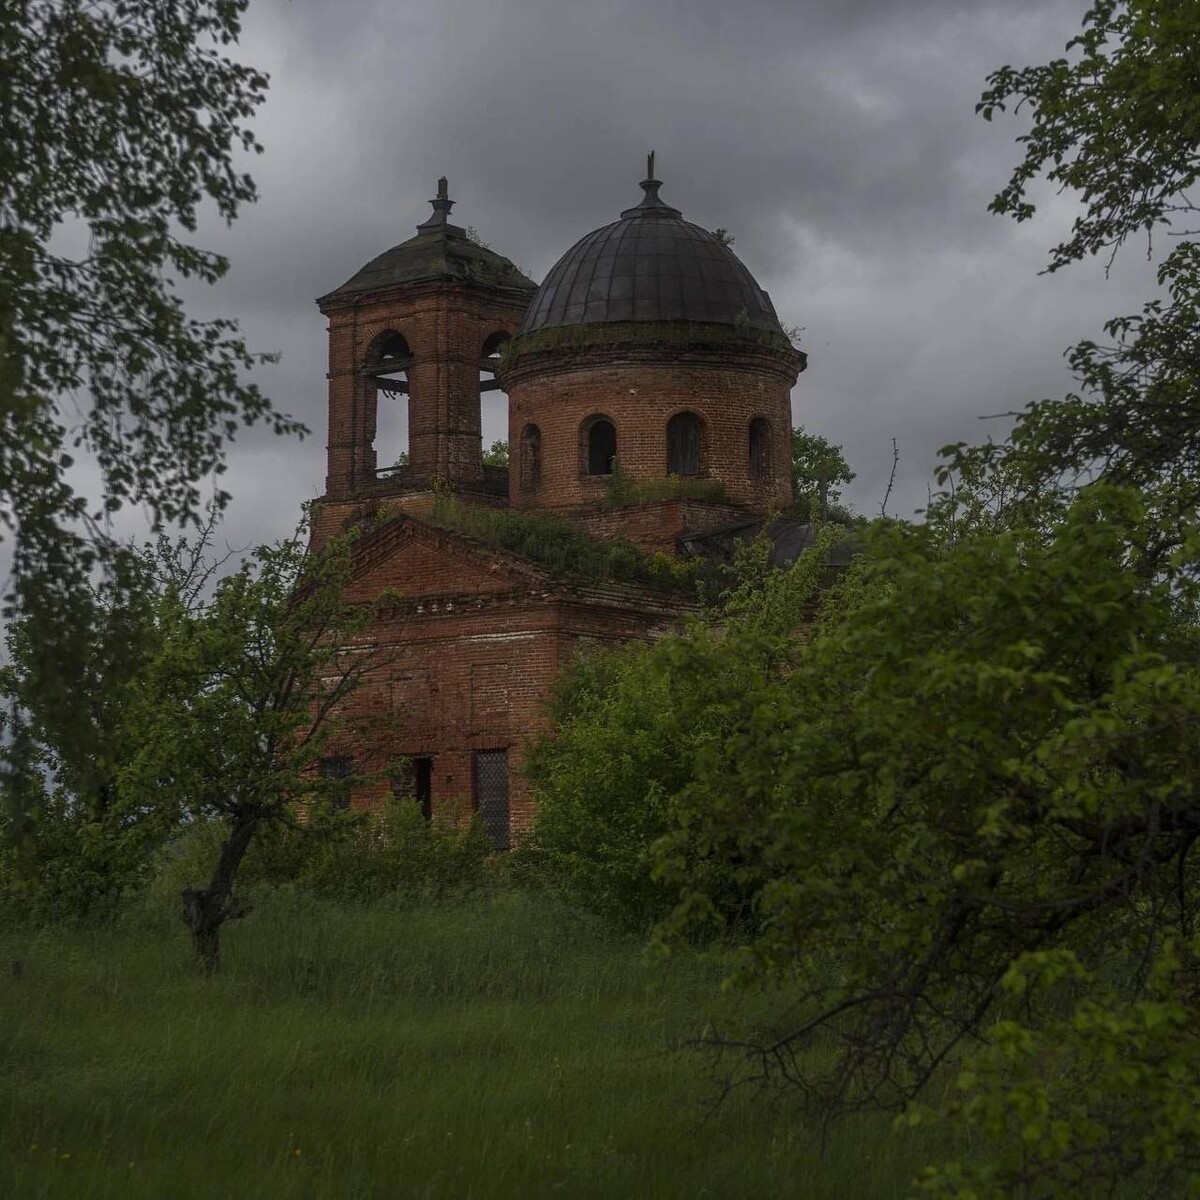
x,y
700,335
563,549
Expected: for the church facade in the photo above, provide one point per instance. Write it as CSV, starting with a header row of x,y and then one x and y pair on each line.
x,y
648,384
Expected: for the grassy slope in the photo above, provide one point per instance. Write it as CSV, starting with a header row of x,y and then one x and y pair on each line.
x,y
502,1048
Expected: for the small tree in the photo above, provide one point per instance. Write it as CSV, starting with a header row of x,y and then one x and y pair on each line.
x,y
496,455
247,696
818,470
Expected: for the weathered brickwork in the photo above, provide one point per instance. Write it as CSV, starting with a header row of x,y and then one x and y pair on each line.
x,y
725,392
656,527
446,327
471,638
471,647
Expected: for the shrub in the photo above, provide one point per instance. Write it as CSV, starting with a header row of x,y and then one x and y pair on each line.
x,y
394,851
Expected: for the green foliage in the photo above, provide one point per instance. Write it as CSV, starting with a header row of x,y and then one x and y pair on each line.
x,y
394,852
493,1046
818,470
623,491
496,455
562,548
630,728
1118,124
118,121
984,749
664,335
76,840
389,853
1105,1092
246,695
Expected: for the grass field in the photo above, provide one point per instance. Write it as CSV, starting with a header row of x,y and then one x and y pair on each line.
x,y
501,1047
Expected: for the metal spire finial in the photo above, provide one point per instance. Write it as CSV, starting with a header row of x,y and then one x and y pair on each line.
x,y
652,204
439,219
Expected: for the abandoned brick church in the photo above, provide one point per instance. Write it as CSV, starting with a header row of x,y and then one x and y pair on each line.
x,y
649,357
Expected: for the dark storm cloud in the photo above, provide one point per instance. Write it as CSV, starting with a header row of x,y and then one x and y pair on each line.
x,y
837,141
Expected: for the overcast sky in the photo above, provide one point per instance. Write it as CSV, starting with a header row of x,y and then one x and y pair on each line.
x,y
836,140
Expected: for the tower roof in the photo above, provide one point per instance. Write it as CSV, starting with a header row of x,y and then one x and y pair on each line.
x,y
439,251
651,265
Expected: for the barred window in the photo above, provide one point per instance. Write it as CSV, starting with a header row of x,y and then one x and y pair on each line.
x,y
491,795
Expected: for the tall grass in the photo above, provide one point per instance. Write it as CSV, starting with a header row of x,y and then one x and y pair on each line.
x,y
498,1046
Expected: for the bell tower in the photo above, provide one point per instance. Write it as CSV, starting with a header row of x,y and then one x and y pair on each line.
x,y
420,325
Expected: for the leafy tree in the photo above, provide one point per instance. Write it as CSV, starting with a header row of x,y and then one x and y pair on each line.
x,y
496,455
962,814
1117,123
75,843
249,698
818,470
119,119
630,726
984,749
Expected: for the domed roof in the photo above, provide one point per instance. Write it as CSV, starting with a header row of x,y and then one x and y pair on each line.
x,y
651,265
440,251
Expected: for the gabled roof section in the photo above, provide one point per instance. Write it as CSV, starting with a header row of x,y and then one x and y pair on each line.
x,y
440,251
415,558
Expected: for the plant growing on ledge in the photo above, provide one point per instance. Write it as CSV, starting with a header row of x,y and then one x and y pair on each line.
x,y
623,491
561,548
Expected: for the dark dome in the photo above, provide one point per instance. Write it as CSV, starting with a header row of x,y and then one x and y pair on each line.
x,y
651,265
440,251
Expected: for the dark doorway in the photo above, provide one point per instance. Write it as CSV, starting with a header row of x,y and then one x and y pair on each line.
x,y
491,795
415,782
337,770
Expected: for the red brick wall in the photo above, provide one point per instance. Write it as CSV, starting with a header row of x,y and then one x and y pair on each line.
x,y
655,527
445,326
473,645
640,397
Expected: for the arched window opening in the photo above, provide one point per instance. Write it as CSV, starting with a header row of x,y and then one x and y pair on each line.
x,y
386,369
493,416
683,444
760,449
599,445
531,457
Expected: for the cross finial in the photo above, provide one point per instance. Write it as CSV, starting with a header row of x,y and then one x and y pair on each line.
x,y
650,165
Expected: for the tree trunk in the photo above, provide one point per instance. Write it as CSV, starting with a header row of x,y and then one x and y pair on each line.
x,y
204,912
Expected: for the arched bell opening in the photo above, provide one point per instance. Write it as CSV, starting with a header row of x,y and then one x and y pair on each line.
x,y
493,404
386,372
